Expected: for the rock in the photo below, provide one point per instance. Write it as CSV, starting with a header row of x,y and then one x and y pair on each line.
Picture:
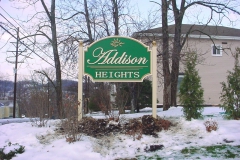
x,y
228,141
153,148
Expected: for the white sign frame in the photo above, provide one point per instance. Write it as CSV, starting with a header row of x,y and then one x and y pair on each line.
x,y
153,73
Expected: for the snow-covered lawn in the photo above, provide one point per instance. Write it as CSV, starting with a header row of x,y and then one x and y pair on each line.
x,y
45,144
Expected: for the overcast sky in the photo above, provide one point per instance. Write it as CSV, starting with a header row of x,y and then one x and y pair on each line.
x,y
24,69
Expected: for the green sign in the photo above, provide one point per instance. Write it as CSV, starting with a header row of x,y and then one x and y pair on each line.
x,y
117,59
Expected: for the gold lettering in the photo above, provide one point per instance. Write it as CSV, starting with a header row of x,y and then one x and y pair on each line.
x,y
119,60
114,57
111,74
110,60
136,75
128,61
124,74
104,75
142,60
134,60
98,74
117,74
99,55
130,74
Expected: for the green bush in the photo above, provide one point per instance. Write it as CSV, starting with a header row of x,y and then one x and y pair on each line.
x,y
191,92
230,95
12,153
93,105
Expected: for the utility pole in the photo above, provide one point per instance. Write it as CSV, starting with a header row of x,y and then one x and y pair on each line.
x,y
18,52
48,99
15,77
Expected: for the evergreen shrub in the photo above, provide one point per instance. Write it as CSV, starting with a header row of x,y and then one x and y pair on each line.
x,y
230,95
191,91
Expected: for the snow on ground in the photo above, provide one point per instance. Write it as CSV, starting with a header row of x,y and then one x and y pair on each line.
x,y
45,144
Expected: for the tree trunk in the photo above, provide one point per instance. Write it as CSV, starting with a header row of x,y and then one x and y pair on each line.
x,y
175,63
137,97
87,17
177,47
91,40
133,97
58,86
115,17
121,110
165,55
57,62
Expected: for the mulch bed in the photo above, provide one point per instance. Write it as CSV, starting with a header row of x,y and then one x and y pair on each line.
x,y
146,125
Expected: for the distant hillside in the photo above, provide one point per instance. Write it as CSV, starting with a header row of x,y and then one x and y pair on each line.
x,y
5,86
69,85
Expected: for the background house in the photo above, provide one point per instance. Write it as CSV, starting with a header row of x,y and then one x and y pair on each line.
x,y
6,109
215,46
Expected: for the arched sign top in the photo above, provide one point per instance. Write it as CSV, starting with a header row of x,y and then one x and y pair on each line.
x,y
117,59
116,42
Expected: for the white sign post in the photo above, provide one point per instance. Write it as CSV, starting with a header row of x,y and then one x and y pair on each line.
x,y
80,80
154,80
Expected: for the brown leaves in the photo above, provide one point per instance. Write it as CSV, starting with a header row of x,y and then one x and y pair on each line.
x,y
134,127
152,125
211,125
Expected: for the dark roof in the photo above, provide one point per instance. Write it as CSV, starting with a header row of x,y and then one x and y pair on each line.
x,y
199,30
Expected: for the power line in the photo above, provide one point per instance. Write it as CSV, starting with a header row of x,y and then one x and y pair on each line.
x,y
27,38
22,29
15,76
30,41
26,45
22,32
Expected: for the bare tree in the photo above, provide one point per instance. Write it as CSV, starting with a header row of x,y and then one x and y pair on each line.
x,y
122,94
100,18
33,99
165,56
53,40
44,24
101,96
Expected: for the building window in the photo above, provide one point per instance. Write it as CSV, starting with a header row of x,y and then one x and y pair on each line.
x,y
180,78
216,50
